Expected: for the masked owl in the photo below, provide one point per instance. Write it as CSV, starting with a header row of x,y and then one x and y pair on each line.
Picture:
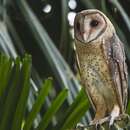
x,y
101,60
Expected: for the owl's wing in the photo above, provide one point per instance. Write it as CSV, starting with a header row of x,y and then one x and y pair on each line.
x,y
114,52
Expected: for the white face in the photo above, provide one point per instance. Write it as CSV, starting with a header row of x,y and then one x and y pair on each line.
x,y
89,26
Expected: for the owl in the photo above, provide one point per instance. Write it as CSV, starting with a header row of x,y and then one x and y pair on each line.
x,y
101,61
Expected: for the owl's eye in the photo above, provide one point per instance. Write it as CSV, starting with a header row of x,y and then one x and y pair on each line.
x,y
94,23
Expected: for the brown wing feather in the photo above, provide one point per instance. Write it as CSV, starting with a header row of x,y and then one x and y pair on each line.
x,y
115,56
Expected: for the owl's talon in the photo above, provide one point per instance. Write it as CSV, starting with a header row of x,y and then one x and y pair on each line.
x,y
100,121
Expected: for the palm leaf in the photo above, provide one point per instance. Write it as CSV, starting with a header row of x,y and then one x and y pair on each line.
x,y
22,96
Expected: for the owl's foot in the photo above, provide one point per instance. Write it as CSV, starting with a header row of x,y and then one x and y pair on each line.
x,y
98,122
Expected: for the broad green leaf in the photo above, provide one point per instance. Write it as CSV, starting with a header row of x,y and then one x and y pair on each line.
x,y
38,104
5,70
65,45
59,66
122,11
11,100
25,80
75,115
53,109
80,98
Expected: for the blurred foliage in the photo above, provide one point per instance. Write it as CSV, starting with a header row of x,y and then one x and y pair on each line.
x,y
28,27
15,87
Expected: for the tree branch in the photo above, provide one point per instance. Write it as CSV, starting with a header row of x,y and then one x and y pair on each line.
x,y
122,122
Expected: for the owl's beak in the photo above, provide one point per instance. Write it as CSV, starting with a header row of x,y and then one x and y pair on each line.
x,y
86,36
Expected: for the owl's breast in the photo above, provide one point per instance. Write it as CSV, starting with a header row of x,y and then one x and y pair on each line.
x,y
95,73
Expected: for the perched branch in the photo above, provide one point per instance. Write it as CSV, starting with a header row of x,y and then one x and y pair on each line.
x,y
120,123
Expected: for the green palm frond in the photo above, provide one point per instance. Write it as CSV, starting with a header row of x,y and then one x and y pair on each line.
x,y
15,94
58,103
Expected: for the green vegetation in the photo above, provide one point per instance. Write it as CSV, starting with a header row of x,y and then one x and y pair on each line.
x,y
29,99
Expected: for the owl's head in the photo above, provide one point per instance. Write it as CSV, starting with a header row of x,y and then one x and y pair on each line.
x,y
90,25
